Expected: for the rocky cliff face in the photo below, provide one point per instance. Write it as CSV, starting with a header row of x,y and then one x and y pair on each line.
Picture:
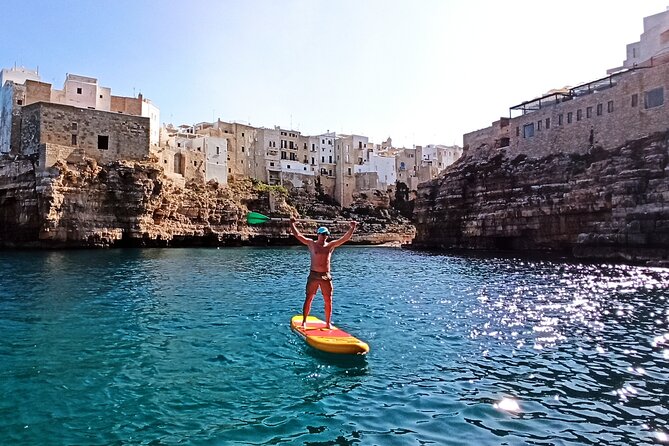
x,y
604,204
133,204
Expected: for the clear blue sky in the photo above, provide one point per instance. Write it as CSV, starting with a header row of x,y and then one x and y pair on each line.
x,y
420,71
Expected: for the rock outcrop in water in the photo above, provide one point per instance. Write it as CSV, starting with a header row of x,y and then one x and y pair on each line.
x,y
130,203
603,204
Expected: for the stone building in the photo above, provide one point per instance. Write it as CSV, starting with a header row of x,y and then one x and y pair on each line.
x,y
190,156
627,104
350,150
342,165
63,132
244,153
81,119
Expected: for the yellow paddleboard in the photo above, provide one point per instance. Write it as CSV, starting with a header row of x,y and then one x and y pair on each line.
x,y
331,340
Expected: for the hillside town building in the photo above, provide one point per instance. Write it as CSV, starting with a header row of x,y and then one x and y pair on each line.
x,y
84,120
627,104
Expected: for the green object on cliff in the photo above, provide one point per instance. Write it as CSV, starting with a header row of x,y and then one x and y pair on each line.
x,y
256,218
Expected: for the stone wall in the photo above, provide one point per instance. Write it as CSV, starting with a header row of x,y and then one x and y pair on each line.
x,y
124,136
37,92
126,105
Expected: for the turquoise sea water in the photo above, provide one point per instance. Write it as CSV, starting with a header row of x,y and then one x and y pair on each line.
x,y
193,346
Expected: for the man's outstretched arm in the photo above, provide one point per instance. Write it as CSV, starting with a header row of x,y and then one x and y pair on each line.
x,y
298,235
346,237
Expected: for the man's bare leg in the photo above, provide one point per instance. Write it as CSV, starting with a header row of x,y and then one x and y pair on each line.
x,y
311,290
327,299
306,308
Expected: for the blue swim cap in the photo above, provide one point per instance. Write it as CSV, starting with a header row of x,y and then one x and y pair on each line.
x,y
323,230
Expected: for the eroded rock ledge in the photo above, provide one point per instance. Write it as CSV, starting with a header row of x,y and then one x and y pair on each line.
x,y
134,204
604,204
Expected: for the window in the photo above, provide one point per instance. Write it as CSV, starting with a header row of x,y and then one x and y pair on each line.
x,y
74,126
218,150
579,114
283,155
504,142
588,112
322,159
539,124
288,166
103,142
194,163
609,107
242,149
599,109
78,90
74,140
178,144
528,130
635,100
560,119
654,97
271,164
548,123
242,134
349,171
19,102
330,159
517,131
569,117
359,144
312,161
100,96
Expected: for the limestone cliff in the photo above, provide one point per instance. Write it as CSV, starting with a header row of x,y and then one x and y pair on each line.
x,y
133,204
603,204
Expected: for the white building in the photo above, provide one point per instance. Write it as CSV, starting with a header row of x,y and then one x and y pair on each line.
x,y
18,75
149,110
440,156
83,92
216,156
383,165
654,42
288,166
326,153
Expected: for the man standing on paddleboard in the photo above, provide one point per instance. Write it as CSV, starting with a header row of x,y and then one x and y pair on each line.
x,y
319,276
